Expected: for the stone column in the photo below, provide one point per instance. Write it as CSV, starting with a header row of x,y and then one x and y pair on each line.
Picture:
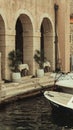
x,y
28,50
49,48
64,34
36,46
31,42
9,46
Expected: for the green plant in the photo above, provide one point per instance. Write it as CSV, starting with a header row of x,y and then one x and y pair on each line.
x,y
40,58
15,58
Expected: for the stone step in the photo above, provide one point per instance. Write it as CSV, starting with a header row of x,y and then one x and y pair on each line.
x,y
17,87
25,85
20,91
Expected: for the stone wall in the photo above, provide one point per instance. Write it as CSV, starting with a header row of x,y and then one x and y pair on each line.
x,y
71,32
33,14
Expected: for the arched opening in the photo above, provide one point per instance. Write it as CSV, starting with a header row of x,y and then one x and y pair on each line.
x,y
2,46
24,40
42,41
47,40
19,37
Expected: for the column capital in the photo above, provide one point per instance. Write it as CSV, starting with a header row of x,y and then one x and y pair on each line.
x,y
37,33
10,32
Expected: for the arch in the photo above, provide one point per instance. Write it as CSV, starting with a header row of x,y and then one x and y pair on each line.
x,y
3,18
24,40
45,15
2,46
47,39
25,12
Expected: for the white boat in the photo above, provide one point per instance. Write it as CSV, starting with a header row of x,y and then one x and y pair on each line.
x,y
64,82
62,107
65,85
60,101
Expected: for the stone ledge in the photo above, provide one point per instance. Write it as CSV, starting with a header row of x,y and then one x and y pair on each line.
x,y
29,85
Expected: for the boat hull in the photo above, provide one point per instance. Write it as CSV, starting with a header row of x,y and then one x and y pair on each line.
x,y
60,102
67,90
65,85
60,109
61,116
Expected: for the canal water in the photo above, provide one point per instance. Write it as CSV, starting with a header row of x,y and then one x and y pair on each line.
x,y
33,113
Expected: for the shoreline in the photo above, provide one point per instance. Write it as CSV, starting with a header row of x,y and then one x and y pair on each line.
x,y
27,87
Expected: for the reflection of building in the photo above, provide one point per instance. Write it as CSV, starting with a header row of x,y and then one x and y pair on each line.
x,y
29,25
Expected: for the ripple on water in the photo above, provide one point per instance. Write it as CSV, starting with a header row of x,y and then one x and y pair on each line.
x,y
31,114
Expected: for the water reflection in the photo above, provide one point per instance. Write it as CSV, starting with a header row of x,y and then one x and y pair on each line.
x,y
62,119
30,114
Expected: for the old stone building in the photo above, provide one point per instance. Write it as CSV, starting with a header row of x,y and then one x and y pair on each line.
x,y
29,25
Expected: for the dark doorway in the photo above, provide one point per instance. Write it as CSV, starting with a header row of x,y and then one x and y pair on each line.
x,y
19,37
42,42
